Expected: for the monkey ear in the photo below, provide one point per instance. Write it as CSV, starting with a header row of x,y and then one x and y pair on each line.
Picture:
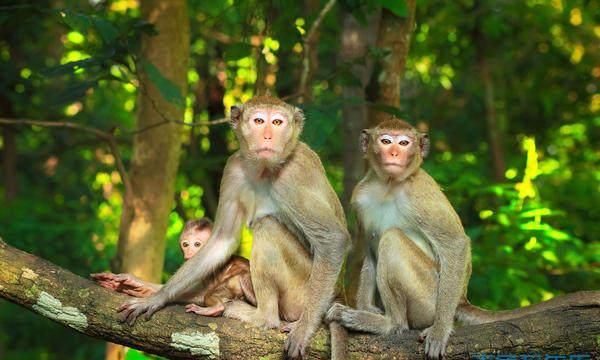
x,y
424,144
364,140
236,115
298,118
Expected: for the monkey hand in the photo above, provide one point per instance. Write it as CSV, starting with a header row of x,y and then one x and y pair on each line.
x,y
106,280
123,283
436,340
298,340
133,308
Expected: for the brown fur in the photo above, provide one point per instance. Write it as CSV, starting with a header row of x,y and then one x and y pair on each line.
x,y
419,258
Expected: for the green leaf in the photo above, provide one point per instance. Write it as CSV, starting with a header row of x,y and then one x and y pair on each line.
x,y
107,31
167,88
536,212
397,7
76,21
69,68
237,51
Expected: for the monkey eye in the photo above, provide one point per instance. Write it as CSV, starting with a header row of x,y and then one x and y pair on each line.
x,y
404,142
277,122
197,244
185,244
259,121
386,141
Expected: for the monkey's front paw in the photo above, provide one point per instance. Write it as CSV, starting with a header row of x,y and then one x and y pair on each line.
x,y
296,344
266,322
335,312
132,309
374,309
436,340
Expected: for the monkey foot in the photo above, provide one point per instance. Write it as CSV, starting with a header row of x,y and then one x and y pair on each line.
x,y
214,311
436,340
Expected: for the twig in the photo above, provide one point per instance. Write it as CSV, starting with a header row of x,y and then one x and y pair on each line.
x,y
308,43
106,136
181,122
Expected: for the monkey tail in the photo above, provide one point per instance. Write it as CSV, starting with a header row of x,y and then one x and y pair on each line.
x,y
473,315
339,339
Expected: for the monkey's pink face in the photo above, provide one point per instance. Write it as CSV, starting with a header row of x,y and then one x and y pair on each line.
x,y
268,131
191,243
396,150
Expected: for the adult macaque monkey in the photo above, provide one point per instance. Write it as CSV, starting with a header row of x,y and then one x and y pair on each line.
x,y
419,257
276,185
231,282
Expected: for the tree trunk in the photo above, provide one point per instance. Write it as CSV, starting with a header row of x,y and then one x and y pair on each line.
x,y
88,308
394,36
156,150
356,40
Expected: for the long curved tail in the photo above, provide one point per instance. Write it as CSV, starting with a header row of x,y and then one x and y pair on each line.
x,y
472,315
339,338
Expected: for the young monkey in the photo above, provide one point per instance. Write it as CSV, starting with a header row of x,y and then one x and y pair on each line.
x,y
419,258
231,282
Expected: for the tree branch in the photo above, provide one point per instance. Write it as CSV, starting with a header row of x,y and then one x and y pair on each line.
x,y
103,135
308,44
88,308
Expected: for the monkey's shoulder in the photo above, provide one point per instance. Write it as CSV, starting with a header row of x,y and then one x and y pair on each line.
x,y
306,157
304,168
432,206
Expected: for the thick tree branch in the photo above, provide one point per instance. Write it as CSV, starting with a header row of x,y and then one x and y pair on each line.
x,y
82,305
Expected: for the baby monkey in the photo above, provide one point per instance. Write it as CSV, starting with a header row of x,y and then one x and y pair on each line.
x,y
231,282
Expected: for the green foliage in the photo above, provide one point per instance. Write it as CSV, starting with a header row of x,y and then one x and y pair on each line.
x,y
534,233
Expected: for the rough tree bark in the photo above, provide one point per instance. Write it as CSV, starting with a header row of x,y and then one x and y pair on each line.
x,y
82,305
394,36
356,38
156,149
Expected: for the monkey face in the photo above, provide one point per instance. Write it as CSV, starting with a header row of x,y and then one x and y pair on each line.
x,y
267,131
396,150
191,242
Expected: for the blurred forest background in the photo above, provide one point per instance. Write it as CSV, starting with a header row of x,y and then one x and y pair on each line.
x,y
508,90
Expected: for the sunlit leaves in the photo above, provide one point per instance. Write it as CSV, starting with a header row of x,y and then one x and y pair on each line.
x,y
82,23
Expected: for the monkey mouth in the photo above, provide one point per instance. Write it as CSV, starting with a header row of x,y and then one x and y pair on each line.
x,y
265,151
393,164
